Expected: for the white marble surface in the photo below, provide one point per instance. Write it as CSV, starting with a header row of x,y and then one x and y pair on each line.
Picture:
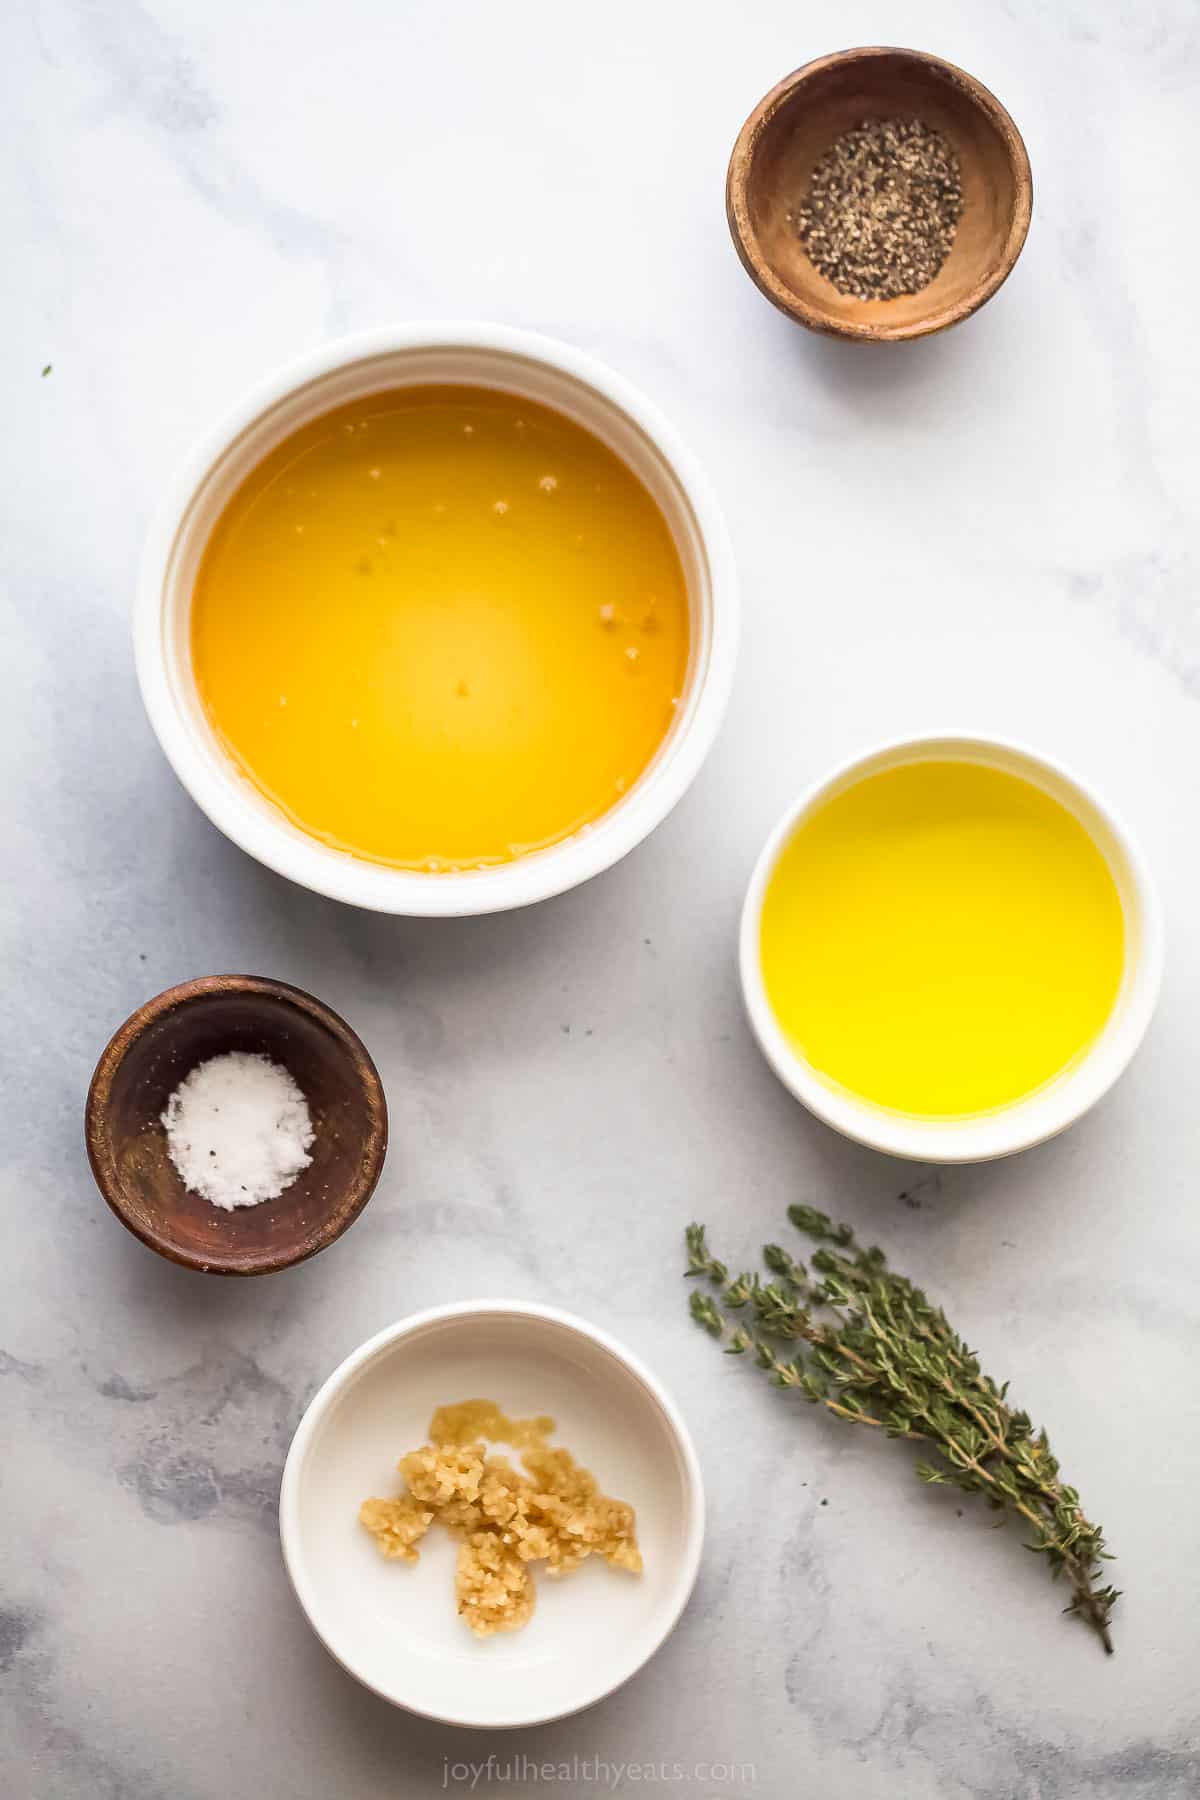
x,y
997,528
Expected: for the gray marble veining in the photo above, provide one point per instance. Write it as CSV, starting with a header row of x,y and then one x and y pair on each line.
x,y
996,529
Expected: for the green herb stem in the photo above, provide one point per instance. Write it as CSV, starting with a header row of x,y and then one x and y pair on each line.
x,y
870,1347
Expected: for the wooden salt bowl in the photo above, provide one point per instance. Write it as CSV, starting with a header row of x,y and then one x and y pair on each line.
x,y
148,1058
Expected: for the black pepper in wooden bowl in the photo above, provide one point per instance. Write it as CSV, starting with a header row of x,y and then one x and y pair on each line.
x,y
976,233
882,208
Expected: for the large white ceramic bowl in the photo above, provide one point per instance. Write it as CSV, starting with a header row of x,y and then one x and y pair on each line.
x,y
485,356
394,1626
1052,1108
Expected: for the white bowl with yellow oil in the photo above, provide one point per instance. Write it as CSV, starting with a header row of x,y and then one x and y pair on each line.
x,y
440,620
950,948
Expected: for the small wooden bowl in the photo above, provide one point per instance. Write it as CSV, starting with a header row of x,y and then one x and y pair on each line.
x,y
148,1058
795,124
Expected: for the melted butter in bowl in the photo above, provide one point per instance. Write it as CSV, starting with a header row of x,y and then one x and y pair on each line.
x,y
494,703
441,627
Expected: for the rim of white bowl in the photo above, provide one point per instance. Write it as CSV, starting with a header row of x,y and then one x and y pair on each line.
x,y
221,791
332,1387
1049,1110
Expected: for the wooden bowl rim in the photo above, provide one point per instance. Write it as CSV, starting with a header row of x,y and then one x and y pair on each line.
x,y
173,999
737,211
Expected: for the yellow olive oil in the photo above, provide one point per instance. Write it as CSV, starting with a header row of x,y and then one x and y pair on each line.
x,y
441,627
942,939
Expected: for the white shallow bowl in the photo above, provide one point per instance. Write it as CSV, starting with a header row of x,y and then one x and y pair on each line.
x,y
492,356
393,1625
1052,1108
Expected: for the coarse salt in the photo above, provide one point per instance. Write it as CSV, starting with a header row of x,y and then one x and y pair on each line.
x,y
238,1130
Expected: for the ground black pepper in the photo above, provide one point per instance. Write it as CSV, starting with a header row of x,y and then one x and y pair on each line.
x,y
882,208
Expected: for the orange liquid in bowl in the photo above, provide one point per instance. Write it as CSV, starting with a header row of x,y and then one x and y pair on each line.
x,y
441,627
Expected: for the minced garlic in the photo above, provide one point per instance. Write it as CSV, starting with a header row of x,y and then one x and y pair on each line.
x,y
551,1511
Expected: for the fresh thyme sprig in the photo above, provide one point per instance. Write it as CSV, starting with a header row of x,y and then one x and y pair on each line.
x,y
882,1354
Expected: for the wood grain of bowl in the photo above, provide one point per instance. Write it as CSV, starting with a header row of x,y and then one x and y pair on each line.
x,y
147,1059
791,128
